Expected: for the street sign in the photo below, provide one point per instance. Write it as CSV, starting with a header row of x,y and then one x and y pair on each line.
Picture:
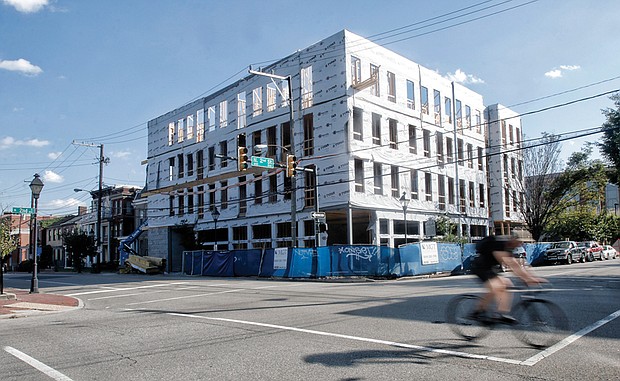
x,y
317,215
23,210
265,162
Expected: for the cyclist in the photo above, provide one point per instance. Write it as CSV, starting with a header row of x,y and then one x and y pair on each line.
x,y
492,252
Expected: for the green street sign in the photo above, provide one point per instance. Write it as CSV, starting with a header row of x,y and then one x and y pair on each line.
x,y
23,210
265,162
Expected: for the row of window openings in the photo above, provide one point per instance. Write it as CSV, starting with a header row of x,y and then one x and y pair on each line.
x,y
184,128
511,134
356,77
516,168
426,141
413,228
183,162
414,186
259,232
189,202
516,199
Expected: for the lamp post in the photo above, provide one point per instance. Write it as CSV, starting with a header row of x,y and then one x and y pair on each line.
x,y
404,201
36,186
289,81
215,214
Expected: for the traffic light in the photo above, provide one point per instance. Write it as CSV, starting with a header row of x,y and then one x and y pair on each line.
x,y
242,158
291,164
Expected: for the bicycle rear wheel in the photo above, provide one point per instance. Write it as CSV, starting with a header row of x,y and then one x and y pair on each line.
x,y
541,322
458,316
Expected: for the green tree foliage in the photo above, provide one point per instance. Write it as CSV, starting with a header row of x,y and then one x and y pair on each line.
x,y
610,142
586,216
447,231
79,245
8,244
544,187
584,225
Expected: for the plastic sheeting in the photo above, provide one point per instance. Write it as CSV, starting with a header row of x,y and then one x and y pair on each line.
x,y
337,261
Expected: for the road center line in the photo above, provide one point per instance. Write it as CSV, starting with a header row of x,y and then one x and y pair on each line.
x,y
570,339
356,338
48,371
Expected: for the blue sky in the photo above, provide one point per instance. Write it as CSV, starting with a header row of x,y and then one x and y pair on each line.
x,y
97,71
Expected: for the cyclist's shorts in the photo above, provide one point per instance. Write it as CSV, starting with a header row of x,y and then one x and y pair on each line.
x,y
485,274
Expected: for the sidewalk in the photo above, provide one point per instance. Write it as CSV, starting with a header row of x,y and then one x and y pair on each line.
x,y
15,303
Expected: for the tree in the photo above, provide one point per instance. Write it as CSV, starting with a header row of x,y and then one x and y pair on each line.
x,y
8,244
583,213
546,189
80,246
610,142
447,231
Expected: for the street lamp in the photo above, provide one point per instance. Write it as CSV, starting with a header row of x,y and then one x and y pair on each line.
x,y
404,201
215,214
36,186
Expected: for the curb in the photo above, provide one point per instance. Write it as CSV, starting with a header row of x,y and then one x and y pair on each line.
x,y
23,304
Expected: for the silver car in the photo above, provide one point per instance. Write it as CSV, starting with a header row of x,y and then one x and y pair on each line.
x,y
609,252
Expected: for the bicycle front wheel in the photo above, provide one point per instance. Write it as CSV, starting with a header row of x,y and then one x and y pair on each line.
x,y
459,317
541,322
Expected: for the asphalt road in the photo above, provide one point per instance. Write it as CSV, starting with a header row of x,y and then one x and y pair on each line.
x,y
175,327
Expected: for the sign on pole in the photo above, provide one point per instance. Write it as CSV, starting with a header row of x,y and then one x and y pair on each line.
x,y
18,210
265,162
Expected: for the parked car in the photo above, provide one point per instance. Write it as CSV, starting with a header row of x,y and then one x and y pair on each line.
x,y
563,252
609,252
592,250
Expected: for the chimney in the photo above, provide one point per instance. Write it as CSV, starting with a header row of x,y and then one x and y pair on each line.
x,y
82,210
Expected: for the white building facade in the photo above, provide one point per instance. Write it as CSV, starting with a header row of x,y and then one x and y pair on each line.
x,y
505,139
376,128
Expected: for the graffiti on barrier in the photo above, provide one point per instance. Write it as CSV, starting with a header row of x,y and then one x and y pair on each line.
x,y
359,252
305,253
449,254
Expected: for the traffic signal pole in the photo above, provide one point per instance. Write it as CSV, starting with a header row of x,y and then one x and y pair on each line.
x,y
292,150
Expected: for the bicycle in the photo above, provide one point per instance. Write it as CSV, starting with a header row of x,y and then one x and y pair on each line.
x,y
538,321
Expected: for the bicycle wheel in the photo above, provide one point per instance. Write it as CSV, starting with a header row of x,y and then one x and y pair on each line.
x,y
541,322
458,316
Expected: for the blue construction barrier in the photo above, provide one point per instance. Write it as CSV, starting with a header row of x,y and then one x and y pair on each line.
x,y
339,261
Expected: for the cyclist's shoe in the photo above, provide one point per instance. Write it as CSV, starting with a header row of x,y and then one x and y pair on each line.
x,y
476,315
506,319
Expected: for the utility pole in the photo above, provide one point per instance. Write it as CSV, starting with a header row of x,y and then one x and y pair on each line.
x,y
102,160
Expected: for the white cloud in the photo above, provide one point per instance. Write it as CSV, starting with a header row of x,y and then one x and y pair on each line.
x,y
559,72
570,67
120,154
54,155
52,177
461,77
21,65
59,204
27,6
8,142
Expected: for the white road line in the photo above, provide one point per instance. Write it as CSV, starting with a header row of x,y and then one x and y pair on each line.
x,y
184,297
48,371
356,338
570,339
125,289
212,293
141,293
